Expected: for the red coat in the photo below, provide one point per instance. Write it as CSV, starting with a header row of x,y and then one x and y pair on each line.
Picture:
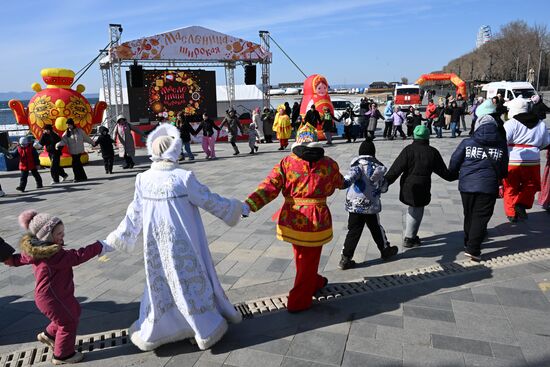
x,y
53,270
304,218
430,111
26,158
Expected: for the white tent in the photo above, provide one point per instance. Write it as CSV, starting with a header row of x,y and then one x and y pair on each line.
x,y
242,93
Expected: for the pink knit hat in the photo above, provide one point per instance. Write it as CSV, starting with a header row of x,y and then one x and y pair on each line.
x,y
40,225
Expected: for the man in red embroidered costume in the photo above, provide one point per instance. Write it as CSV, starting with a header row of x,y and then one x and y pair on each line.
x,y
526,135
306,177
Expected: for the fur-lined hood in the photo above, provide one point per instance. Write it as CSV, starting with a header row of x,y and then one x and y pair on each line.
x,y
36,249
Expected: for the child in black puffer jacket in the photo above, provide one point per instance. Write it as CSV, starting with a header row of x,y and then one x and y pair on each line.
x,y
105,141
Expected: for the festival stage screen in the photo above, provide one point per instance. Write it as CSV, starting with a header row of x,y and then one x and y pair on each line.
x,y
167,92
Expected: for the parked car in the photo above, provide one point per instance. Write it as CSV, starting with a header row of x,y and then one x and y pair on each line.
x,y
340,105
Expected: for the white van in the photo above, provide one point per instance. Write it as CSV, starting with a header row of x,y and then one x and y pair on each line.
x,y
508,90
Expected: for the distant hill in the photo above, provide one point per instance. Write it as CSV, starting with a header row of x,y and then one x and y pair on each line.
x,y
5,96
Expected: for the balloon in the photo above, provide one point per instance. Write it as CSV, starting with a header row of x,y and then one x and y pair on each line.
x,y
54,105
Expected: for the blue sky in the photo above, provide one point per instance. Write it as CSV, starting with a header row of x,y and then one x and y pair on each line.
x,y
348,41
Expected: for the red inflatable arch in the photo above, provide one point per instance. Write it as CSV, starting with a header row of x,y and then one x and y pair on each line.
x,y
459,83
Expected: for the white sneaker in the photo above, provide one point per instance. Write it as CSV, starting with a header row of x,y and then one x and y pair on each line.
x,y
54,183
44,339
2,193
77,357
61,178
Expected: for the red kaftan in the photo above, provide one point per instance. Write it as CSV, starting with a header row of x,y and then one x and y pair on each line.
x,y
304,218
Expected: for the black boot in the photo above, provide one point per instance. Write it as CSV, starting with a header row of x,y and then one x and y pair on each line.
x,y
389,252
346,263
521,213
409,242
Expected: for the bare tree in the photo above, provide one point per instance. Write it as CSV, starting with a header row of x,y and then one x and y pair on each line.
x,y
505,57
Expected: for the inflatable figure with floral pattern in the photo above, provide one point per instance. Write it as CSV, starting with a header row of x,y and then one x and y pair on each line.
x,y
316,92
54,105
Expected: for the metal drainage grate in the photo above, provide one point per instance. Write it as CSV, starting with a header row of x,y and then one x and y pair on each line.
x,y
44,354
263,306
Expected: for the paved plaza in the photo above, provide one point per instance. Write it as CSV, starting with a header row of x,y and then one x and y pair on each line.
x,y
480,317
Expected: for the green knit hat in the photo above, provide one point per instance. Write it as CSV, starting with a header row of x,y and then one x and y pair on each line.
x,y
421,132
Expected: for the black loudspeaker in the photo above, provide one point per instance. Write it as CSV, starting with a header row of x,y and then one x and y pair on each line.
x,y
136,76
4,140
250,74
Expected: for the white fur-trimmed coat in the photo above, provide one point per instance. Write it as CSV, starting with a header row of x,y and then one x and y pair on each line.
x,y
183,297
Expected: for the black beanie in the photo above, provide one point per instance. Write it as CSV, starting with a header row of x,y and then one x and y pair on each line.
x,y
367,148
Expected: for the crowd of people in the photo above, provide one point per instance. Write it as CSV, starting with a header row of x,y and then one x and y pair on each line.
x,y
183,297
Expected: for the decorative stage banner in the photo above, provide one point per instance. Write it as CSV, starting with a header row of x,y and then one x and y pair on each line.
x,y
191,43
168,92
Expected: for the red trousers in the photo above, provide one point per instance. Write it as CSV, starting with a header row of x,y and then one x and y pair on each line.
x,y
64,318
283,142
307,280
520,187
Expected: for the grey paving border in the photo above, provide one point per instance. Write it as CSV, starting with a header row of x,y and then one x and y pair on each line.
x,y
260,307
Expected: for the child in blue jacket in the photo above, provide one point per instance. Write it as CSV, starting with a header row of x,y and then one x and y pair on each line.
x,y
366,184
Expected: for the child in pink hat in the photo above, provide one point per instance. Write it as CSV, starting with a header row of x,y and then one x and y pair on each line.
x,y
43,248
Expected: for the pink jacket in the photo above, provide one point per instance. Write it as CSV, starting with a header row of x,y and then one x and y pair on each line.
x,y
53,266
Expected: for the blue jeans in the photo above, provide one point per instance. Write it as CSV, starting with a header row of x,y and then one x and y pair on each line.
x,y
453,129
438,131
187,147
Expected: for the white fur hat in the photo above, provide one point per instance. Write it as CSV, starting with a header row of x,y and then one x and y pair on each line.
x,y
516,106
173,152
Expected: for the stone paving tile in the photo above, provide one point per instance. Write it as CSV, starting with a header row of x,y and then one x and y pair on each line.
x,y
421,356
440,301
531,321
385,319
491,299
362,329
519,284
294,362
272,345
523,298
318,346
209,356
461,295
384,348
478,308
253,358
405,336
27,321
430,326
354,359
508,352
342,328
428,313
224,266
200,363
485,327
474,360
461,345
534,348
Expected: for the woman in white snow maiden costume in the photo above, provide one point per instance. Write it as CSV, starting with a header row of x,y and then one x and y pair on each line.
x,y
183,297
